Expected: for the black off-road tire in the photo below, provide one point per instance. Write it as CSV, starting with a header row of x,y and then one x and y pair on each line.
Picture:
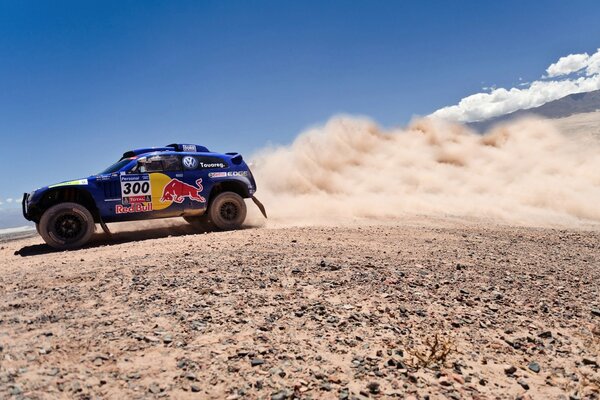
x,y
67,226
200,222
227,211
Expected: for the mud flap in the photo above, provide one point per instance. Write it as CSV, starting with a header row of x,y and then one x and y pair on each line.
x,y
260,206
105,228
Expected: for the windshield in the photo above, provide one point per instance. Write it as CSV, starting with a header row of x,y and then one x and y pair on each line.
x,y
116,166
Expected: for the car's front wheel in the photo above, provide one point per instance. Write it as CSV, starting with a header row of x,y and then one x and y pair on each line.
x,y
66,226
227,211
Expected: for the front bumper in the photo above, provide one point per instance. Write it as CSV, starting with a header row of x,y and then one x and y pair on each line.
x,y
24,206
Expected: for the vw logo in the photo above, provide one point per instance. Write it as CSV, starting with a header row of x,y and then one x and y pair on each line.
x,y
190,162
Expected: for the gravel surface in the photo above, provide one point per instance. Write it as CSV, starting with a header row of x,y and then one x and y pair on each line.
x,y
443,309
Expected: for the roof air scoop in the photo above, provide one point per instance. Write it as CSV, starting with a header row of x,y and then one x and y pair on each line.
x,y
189,147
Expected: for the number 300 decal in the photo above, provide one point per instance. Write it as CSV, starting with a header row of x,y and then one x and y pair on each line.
x,y
136,188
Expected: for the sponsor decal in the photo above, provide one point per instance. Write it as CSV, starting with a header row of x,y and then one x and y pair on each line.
x,y
71,183
136,189
226,174
178,191
212,165
188,147
134,208
237,173
190,162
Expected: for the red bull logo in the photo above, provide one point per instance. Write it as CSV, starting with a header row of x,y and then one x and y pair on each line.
x,y
133,208
178,191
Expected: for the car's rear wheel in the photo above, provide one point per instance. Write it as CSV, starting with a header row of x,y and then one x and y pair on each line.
x,y
66,226
227,211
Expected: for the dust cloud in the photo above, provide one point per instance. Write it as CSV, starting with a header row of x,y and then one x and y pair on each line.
x,y
524,172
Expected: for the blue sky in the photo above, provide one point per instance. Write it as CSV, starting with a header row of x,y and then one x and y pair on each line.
x,y
83,81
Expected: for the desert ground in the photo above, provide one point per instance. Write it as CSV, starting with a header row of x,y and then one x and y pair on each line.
x,y
415,308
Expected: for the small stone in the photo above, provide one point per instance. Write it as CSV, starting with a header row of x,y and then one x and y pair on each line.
x,y
167,339
154,388
535,367
523,384
344,394
15,390
373,387
458,379
589,361
281,395
151,339
134,375
545,335
191,376
444,381
256,362
596,312
510,370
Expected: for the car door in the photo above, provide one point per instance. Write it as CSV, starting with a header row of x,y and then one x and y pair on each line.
x,y
152,189
196,174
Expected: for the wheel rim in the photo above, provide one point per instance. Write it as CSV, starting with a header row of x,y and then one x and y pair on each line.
x,y
68,226
229,211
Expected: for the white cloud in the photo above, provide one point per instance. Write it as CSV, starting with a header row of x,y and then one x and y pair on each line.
x,y
500,101
9,200
568,64
593,66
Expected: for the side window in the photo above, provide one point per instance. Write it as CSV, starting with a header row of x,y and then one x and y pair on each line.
x,y
171,163
157,164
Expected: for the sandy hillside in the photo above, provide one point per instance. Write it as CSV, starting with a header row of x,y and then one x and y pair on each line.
x,y
346,312
585,124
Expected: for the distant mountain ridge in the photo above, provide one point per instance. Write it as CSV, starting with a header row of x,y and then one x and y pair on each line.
x,y
576,103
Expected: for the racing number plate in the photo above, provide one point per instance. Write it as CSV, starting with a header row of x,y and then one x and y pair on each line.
x,y
135,189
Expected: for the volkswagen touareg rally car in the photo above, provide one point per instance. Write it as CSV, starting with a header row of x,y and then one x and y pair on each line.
x,y
179,180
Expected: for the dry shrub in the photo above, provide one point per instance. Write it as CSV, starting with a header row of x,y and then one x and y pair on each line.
x,y
433,351
589,381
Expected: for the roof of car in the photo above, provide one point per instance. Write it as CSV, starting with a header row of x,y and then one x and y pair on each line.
x,y
175,147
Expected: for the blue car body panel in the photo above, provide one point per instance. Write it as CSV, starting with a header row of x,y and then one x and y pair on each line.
x,y
160,182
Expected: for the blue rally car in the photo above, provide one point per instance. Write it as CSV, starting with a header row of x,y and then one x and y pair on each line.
x,y
179,180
